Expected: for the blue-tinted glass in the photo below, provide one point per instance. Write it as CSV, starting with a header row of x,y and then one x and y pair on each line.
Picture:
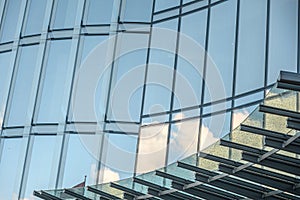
x,y
87,46
121,166
54,81
137,10
9,25
35,17
164,4
161,65
128,76
99,11
85,147
65,14
5,74
283,37
221,44
43,164
24,83
251,50
190,66
11,165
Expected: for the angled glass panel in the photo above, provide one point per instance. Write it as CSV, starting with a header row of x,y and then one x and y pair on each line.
x,y
128,77
152,148
137,11
88,45
161,65
121,166
10,20
25,77
283,37
221,45
87,148
251,52
164,4
43,164
34,17
64,14
183,140
99,12
5,75
53,89
190,62
11,165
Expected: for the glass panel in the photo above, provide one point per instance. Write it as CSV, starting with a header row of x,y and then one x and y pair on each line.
x,y
120,166
88,46
11,166
138,11
164,4
65,14
238,116
283,37
99,11
251,52
183,140
161,64
35,17
221,44
24,84
10,20
5,75
152,148
190,66
128,77
43,164
87,148
53,87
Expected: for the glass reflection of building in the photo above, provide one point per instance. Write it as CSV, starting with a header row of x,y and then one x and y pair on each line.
x,y
44,43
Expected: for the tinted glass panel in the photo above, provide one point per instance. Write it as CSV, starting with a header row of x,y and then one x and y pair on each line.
x,y
65,14
9,25
53,86
24,83
164,4
5,75
251,52
137,10
99,11
35,17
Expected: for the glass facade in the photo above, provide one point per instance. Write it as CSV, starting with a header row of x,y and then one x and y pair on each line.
x,y
110,89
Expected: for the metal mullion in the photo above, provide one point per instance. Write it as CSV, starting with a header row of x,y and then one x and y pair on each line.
x,y
279,111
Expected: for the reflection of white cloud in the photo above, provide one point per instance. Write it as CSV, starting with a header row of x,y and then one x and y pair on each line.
x,y
207,137
238,118
106,173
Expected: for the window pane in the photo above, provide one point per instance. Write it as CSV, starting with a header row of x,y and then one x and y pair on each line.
x,y
5,75
10,20
152,148
183,139
161,65
221,44
283,37
251,52
128,77
122,165
24,82
11,166
188,82
35,17
138,11
99,11
43,164
83,111
164,4
65,14
53,87
87,148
